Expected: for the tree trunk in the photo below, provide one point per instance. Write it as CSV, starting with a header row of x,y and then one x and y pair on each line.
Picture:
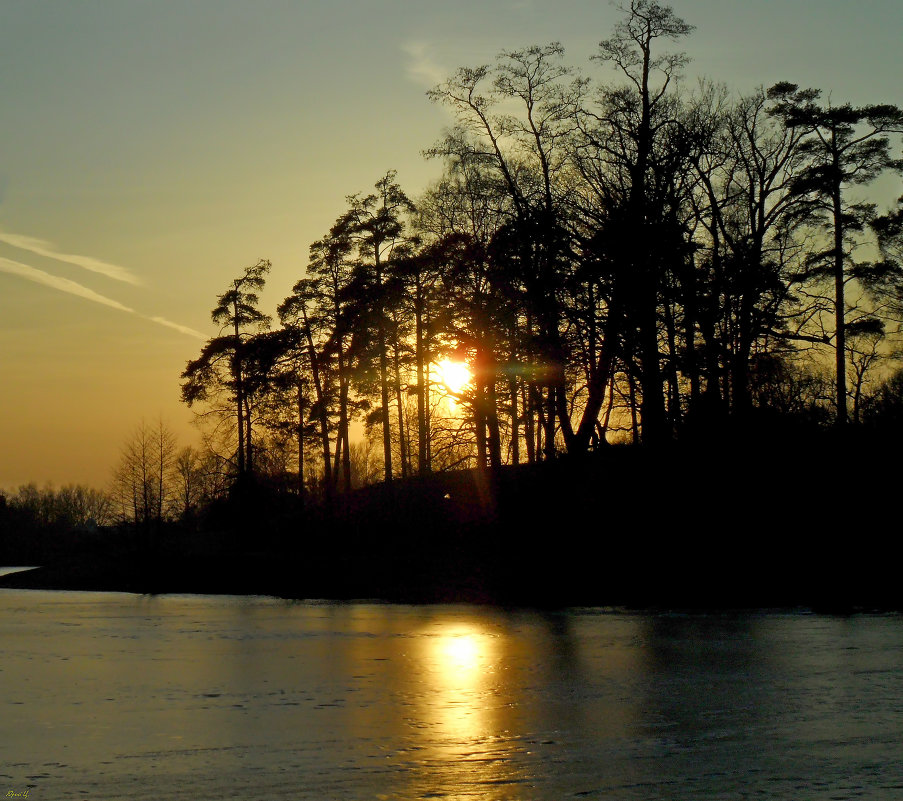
x,y
529,434
420,357
344,423
601,374
634,423
384,383
512,398
492,424
840,343
249,457
239,398
674,410
321,406
645,277
479,421
301,444
551,414
402,443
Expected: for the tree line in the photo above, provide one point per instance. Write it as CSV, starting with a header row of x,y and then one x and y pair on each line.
x,y
632,259
154,481
628,259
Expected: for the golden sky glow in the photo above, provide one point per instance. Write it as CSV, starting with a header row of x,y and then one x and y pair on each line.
x,y
151,151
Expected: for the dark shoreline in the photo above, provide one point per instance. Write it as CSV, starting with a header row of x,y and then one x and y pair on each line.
x,y
235,579
676,529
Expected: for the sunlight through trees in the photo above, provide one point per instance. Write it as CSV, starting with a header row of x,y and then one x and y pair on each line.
x,y
607,258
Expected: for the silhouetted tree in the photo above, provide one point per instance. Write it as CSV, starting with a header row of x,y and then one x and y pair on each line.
x,y
375,223
418,275
142,480
72,506
331,265
884,279
525,155
746,162
189,486
883,409
782,386
460,216
846,146
222,363
609,257
864,354
309,338
633,140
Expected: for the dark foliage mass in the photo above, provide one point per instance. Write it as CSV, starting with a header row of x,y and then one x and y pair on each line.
x,y
711,534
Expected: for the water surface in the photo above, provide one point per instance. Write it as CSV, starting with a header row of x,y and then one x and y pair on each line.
x,y
120,696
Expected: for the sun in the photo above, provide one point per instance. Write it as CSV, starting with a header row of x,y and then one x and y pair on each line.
x,y
455,375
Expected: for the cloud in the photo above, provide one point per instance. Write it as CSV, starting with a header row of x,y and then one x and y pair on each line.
x,y
42,248
420,67
73,288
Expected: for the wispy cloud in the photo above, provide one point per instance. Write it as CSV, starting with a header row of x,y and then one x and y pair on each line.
x,y
74,288
41,247
420,67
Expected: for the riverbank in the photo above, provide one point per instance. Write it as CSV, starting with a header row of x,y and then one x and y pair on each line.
x,y
675,529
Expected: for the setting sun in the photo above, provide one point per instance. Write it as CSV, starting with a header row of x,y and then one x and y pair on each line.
x,y
454,375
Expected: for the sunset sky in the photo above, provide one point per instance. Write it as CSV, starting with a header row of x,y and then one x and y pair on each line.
x,y
150,151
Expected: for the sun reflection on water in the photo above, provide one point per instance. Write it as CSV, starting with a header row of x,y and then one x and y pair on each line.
x,y
461,652
461,663
469,749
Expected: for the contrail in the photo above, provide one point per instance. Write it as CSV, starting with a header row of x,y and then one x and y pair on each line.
x,y
62,284
43,248
73,288
184,329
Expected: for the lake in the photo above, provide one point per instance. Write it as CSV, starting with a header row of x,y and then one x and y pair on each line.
x,y
117,696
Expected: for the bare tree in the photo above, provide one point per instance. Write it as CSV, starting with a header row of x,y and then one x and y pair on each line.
x,y
141,480
630,135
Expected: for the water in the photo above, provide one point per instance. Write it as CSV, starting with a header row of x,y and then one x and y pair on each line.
x,y
134,697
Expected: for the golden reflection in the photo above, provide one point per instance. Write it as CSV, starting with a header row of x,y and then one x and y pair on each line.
x,y
464,714
461,652
462,667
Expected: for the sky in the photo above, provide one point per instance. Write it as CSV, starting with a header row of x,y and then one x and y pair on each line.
x,y
150,150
